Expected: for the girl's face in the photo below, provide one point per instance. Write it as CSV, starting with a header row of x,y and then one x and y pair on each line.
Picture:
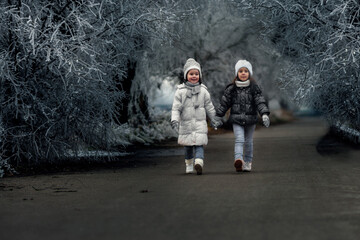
x,y
243,74
193,76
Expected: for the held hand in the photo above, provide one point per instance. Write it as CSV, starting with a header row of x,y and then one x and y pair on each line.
x,y
214,125
266,120
175,126
216,122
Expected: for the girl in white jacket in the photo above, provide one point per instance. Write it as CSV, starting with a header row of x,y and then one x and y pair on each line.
x,y
191,104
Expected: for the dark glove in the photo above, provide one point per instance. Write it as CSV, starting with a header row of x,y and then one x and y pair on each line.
x,y
175,125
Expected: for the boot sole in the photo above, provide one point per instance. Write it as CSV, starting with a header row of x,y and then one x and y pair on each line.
x,y
238,164
198,169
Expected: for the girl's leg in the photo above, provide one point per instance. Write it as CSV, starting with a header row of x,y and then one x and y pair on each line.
x,y
199,152
199,159
239,133
189,152
249,132
189,160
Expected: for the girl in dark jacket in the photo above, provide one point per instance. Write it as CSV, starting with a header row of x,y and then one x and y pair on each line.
x,y
245,99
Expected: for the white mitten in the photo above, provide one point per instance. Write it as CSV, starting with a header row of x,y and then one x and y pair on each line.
x,y
266,120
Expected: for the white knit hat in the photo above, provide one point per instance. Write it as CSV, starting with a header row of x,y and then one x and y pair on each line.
x,y
243,63
191,64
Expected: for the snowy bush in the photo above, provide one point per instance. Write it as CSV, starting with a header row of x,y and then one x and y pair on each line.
x,y
155,131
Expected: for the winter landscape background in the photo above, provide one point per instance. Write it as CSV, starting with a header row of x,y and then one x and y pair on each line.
x,y
89,75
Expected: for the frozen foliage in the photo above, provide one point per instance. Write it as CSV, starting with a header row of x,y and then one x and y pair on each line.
x,y
157,130
4,165
216,35
346,133
322,41
54,88
121,136
61,69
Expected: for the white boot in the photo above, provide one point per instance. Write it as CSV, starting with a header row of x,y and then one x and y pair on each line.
x,y
199,164
189,165
247,167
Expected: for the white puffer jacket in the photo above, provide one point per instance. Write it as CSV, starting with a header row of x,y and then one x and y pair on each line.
x,y
191,113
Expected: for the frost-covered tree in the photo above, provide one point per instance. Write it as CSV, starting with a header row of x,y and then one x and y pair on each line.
x,y
321,39
217,36
150,23
66,71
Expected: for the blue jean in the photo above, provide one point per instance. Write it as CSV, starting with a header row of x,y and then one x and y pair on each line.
x,y
244,139
189,152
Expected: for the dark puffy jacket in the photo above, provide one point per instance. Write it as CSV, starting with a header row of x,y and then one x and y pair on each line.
x,y
244,102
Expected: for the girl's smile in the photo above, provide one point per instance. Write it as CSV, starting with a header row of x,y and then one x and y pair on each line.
x,y
243,74
193,76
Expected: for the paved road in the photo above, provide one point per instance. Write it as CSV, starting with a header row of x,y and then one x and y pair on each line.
x,y
298,189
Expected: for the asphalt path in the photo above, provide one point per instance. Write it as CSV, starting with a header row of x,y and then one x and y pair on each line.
x,y
303,186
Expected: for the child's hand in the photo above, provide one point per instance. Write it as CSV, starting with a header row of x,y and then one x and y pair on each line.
x,y
215,123
266,120
175,125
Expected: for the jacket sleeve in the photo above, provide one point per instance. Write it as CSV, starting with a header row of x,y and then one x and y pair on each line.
x,y
176,107
225,102
209,107
260,101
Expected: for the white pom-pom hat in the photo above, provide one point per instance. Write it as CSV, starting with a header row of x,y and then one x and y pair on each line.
x,y
243,63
